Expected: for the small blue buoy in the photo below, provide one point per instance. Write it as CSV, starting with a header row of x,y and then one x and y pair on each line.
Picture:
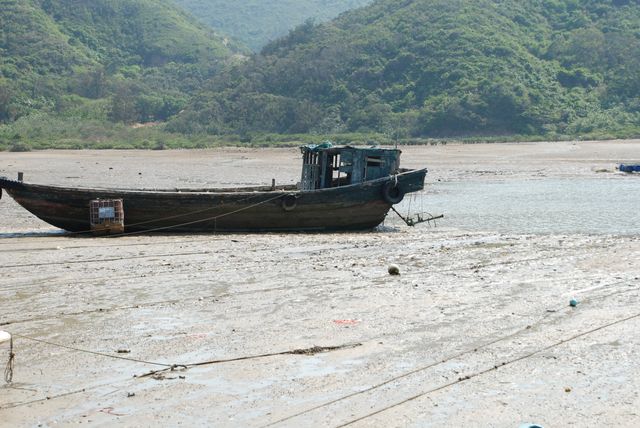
x,y
573,303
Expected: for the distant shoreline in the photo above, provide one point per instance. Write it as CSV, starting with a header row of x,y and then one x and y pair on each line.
x,y
203,145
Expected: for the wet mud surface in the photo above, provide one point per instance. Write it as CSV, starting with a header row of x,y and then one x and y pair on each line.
x,y
310,329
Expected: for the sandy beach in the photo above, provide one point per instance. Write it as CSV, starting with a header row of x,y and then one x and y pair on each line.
x,y
309,329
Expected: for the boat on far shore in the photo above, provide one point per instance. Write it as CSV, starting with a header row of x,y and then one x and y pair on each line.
x,y
629,168
341,188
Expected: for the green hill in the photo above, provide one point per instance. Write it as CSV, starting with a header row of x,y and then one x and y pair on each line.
x,y
104,60
256,22
440,68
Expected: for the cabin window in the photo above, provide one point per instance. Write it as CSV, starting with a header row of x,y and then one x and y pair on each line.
x,y
374,161
337,179
311,171
373,167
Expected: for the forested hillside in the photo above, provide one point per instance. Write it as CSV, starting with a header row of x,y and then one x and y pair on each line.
x,y
256,22
414,68
101,60
77,73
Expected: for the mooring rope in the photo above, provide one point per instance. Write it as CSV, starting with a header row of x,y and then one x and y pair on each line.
x,y
189,213
87,351
112,259
114,245
280,195
155,220
175,226
306,351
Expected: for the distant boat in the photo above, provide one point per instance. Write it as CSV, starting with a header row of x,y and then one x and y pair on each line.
x,y
342,188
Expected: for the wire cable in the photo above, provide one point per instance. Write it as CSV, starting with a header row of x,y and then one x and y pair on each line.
x,y
87,351
491,369
113,259
436,363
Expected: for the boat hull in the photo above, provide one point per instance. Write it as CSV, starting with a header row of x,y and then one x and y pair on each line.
x,y
353,207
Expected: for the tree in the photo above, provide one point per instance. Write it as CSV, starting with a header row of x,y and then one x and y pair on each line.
x,y
123,103
6,95
92,83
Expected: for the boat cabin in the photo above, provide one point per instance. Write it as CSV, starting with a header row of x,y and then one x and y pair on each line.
x,y
325,166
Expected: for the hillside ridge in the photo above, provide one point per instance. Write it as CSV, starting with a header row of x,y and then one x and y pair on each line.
x,y
118,60
416,68
257,22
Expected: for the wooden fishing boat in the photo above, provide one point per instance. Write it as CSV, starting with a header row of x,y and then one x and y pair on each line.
x,y
342,188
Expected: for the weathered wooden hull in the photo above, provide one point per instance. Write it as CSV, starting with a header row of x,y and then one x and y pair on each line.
x,y
354,207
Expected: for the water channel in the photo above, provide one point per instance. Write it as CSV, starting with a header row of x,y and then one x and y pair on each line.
x,y
592,206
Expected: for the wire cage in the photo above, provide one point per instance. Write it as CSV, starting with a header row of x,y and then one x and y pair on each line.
x,y
107,216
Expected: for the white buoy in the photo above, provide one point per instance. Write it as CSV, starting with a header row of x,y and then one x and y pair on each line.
x,y
4,336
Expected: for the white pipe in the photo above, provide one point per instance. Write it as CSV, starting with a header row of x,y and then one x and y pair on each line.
x,y
4,336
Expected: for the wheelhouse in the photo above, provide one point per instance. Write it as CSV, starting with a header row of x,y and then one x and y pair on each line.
x,y
325,166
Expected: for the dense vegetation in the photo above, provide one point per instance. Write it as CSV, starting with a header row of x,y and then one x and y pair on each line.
x,y
122,73
416,68
257,22
75,69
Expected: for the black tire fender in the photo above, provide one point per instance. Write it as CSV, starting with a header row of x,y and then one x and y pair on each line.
x,y
392,193
289,202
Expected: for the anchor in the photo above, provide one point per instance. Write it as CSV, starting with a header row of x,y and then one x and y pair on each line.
x,y
418,218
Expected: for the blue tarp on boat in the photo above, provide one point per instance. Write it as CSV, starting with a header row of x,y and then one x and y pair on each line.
x,y
630,168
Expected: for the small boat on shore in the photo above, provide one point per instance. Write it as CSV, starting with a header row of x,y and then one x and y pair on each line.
x,y
341,188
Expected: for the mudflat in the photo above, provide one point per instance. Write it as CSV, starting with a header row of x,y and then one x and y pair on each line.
x,y
310,329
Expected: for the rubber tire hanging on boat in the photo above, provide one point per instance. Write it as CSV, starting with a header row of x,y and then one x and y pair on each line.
x,y
392,193
289,202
